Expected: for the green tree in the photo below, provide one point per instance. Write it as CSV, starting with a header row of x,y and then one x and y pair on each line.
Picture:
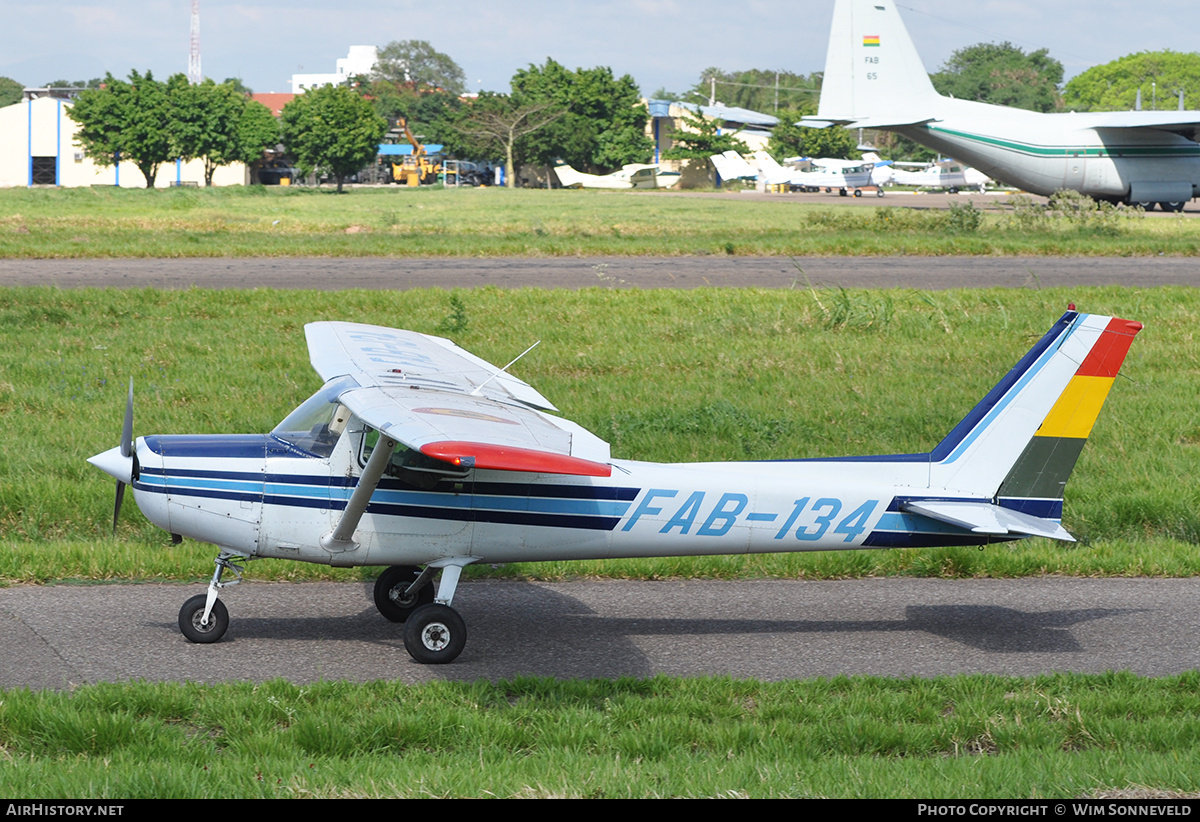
x,y
332,128
491,127
603,125
700,140
10,91
238,85
762,90
258,131
791,140
419,65
1002,74
430,113
126,121
1157,74
205,122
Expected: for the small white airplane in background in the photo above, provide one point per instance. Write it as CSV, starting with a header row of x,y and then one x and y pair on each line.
x,y
950,175
423,458
843,176
874,78
881,171
632,175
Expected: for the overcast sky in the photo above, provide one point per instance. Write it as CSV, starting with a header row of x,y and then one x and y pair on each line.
x,y
662,43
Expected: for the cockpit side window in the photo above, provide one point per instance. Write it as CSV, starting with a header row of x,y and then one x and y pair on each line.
x,y
409,464
318,422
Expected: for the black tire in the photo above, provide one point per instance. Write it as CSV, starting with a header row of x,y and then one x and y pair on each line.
x,y
435,634
189,620
1171,206
391,584
879,192
858,192
1146,206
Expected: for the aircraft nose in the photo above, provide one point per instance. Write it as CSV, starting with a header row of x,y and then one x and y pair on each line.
x,y
115,464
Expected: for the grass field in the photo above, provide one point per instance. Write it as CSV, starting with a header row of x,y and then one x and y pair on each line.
x,y
980,737
662,375
260,221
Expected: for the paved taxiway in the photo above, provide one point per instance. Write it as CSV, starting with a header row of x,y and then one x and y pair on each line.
x,y
605,272
59,636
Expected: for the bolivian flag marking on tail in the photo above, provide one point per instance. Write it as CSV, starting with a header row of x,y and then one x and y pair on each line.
x,y
870,39
1043,468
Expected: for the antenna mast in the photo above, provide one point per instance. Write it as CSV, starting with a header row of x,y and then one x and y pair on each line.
x,y
194,73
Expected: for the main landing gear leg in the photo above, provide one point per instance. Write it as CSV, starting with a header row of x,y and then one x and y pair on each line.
x,y
204,618
434,633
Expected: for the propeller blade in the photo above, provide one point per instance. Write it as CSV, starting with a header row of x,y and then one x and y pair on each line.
x,y
127,428
117,507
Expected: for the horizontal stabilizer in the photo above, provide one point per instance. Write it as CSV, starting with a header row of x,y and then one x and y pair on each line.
x,y
986,518
900,120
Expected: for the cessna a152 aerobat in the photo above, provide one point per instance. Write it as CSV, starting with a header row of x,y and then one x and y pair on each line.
x,y
418,456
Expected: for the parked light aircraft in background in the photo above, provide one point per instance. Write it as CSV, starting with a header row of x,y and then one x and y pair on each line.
x,y
881,173
421,457
843,176
946,174
874,78
732,166
633,175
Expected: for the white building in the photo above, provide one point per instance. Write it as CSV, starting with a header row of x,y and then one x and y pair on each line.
x,y
360,60
37,147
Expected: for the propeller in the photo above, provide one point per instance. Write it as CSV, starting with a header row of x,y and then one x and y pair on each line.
x,y
120,462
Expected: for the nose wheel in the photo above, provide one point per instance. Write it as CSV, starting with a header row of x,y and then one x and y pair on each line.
x,y
204,618
195,627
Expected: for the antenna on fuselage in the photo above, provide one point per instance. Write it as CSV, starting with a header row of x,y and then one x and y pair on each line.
x,y
503,370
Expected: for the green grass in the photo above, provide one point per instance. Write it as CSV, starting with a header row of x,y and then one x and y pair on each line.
x,y
662,375
262,221
980,737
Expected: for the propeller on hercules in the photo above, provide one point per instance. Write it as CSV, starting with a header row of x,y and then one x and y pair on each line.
x,y
120,462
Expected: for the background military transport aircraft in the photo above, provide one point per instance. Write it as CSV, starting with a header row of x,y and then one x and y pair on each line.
x,y
419,456
874,78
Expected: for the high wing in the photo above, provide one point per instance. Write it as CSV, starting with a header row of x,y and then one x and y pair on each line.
x,y
437,398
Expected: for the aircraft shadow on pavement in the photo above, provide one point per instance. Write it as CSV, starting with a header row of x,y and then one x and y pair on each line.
x,y
523,629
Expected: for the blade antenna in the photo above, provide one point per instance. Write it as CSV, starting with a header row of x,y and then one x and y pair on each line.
x,y
479,387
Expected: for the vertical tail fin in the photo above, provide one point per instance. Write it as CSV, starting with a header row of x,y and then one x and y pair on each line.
x,y
1021,441
873,74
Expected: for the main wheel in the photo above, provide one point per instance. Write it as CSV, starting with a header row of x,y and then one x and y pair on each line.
x,y
435,634
858,192
203,632
1171,206
1146,206
389,593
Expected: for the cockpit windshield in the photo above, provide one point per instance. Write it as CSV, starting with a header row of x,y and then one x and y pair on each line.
x,y
318,422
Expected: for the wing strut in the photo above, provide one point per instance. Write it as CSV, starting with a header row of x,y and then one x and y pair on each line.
x,y
341,538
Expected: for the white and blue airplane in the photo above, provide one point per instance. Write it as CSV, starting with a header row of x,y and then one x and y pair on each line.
x,y
874,78
418,456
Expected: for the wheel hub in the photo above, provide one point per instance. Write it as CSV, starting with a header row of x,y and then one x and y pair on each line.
x,y
435,636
